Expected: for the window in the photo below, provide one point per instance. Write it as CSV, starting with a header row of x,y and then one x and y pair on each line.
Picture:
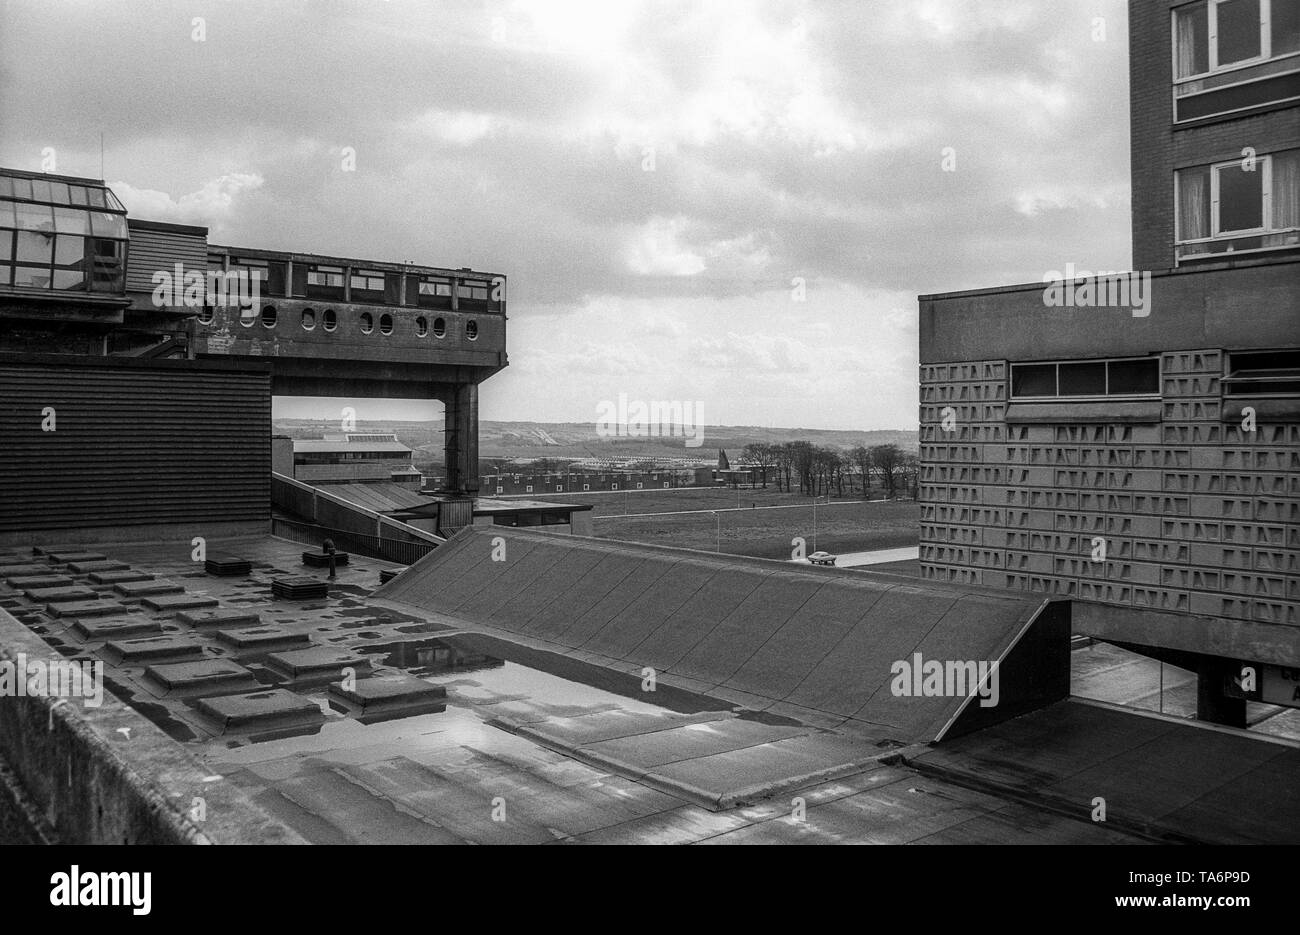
x,y
440,327
471,330
269,316
367,286
73,262
1082,379
329,321
247,316
1239,205
421,326
432,292
470,291
1232,54
308,319
1263,373
206,314
385,324
325,282
367,323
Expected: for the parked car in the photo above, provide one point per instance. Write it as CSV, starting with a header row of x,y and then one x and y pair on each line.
x,y
822,558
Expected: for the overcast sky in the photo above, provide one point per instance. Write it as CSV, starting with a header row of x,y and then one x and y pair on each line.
x,y
787,141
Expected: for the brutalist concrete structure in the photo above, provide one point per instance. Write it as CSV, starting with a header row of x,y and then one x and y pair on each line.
x,y
1131,442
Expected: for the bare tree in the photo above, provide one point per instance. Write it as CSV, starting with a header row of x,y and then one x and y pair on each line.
x,y
763,457
887,459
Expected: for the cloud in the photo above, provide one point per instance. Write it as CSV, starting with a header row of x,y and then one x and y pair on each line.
x,y
213,203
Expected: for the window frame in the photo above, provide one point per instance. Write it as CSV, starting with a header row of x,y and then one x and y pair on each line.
x,y
1264,165
1212,40
1105,396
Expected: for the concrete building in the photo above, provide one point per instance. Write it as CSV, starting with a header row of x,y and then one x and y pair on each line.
x,y
136,351
354,457
1131,442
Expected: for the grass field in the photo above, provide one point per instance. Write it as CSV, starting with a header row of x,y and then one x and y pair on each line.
x,y
763,525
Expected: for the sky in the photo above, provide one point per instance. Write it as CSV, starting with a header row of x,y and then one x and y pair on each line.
x,y
731,204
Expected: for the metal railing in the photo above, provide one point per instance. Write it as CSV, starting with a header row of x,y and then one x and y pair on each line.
x,y
319,515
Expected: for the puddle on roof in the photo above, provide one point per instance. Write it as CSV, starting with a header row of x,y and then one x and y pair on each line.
x,y
431,657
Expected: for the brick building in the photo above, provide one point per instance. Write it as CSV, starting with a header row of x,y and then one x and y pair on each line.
x,y
1142,459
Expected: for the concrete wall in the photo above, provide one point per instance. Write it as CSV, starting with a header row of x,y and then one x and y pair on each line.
x,y
106,775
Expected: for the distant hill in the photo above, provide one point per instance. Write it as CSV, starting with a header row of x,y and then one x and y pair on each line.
x,y
579,439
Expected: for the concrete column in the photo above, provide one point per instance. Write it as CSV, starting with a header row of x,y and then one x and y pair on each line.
x,y
460,445
1211,703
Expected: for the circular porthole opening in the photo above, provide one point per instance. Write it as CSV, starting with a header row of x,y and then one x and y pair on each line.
x,y
367,323
386,324
308,319
439,327
421,326
247,315
269,316
471,330
328,320
206,314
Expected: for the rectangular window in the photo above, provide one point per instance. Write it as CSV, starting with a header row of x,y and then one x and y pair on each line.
x,y
432,292
1239,205
325,282
72,263
1235,34
1085,379
1263,373
1284,27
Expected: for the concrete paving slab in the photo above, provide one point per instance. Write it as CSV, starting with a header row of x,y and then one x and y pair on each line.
x,y
209,677
273,709
151,648
29,568
147,588
178,602
119,577
95,608
107,628
76,556
89,566
225,617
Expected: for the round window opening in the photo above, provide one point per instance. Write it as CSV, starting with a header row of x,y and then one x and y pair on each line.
x,y
247,316
367,323
471,330
206,314
328,320
439,327
386,324
269,316
308,319
421,326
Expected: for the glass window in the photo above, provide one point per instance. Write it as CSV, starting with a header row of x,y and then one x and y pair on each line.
x,y
1082,379
1033,379
40,190
108,265
96,196
1238,31
1194,203
1133,377
70,250
59,193
329,320
77,195
32,277
439,327
471,330
34,217
71,221
1285,26
421,326
108,225
23,188
34,248
308,319
7,214
386,324
6,246
112,203
6,187
1241,197
367,323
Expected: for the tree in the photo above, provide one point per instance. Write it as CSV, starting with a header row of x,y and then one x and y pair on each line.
x,y
887,459
763,457
861,457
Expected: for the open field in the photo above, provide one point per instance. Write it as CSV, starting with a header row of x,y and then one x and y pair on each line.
x,y
765,532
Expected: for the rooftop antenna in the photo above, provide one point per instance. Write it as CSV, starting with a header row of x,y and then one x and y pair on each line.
x,y
101,154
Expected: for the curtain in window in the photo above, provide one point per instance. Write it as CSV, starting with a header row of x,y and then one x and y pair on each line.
x,y
1186,26
1193,204
1286,189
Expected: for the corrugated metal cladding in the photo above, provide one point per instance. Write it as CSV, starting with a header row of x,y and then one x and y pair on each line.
x,y
153,250
132,445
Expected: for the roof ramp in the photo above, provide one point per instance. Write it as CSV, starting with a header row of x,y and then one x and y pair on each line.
x,y
882,656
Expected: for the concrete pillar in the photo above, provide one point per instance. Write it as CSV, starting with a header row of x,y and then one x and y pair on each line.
x,y
1211,703
460,444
